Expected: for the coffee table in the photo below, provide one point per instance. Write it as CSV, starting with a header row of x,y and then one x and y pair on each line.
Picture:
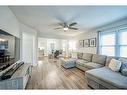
x,y
68,62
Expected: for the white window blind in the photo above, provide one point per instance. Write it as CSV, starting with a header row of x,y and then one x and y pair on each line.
x,y
113,43
123,42
107,44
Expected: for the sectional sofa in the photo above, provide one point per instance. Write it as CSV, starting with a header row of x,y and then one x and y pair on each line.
x,y
87,61
97,72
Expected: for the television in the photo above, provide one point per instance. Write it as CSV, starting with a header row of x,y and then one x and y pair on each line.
x,y
9,49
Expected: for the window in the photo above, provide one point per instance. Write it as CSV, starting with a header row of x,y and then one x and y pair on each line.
x,y
113,43
64,45
123,43
107,44
72,45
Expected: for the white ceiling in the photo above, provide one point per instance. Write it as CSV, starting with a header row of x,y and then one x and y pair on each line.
x,y
46,18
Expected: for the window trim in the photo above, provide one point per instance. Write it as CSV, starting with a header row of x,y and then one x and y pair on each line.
x,y
117,40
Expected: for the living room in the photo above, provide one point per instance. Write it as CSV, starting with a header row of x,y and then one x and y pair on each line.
x,y
63,47
100,41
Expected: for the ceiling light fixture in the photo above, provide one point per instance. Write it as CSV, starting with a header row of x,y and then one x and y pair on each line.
x,y
65,28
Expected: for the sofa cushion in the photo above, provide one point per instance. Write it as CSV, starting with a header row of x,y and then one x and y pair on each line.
x,y
92,65
81,62
123,60
115,65
87,56
101,59
110,77
79,55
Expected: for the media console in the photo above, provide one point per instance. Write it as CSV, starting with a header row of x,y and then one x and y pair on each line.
x,y
16,77
8,74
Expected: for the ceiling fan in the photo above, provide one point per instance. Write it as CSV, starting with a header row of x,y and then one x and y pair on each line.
x,y
66,26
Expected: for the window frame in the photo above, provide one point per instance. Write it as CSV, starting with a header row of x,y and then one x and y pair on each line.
x,y
117,40
100,42
118,44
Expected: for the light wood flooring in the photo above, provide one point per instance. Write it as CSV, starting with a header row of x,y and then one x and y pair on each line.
x,y
49,74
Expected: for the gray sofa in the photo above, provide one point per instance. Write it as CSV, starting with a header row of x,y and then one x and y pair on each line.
x,y
90,61
97,73
104,78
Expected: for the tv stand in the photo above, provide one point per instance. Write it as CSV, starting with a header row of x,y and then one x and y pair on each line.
x,y
19,78
4,67
8,74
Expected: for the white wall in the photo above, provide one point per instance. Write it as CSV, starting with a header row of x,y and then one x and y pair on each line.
x,y
10,24
83,36
93,34
8,21
29,44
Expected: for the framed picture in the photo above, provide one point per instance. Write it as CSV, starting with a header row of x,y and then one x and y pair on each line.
x,y
93,42
86,43
81,44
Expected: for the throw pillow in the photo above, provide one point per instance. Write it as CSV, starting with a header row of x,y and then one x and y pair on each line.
x,y
124,63
124,72
115,65
123,69
123,66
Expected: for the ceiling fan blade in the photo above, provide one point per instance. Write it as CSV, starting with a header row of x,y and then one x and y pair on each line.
x,y
61,24
58,28
73,28
72,24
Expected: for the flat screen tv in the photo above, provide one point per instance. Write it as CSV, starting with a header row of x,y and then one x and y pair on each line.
x,y
9,49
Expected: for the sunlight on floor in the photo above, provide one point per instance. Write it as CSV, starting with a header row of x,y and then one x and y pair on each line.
x,y
52,74
40,62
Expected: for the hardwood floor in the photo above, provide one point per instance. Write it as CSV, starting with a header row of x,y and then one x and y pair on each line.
x,y
50,75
